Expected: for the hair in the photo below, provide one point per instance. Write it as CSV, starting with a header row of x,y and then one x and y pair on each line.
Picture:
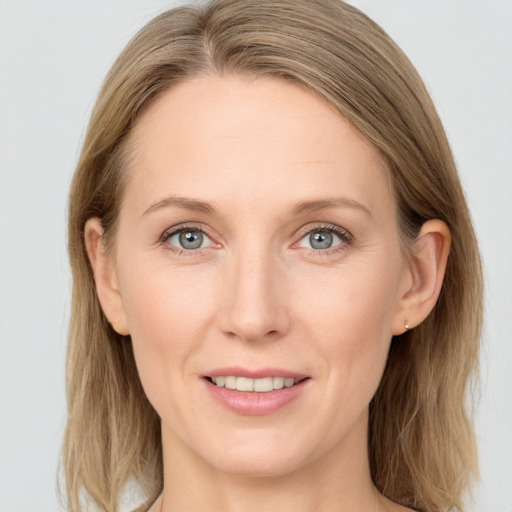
x,y
421,442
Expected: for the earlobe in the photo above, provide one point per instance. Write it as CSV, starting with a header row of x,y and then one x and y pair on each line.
x,y
105,277
425,276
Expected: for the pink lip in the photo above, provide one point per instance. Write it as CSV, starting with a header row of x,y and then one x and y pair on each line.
x,y
253,403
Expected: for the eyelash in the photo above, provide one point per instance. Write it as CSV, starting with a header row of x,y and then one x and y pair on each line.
x,y
345,237
164,240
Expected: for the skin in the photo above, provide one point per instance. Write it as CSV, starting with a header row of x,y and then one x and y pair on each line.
x,y
247,153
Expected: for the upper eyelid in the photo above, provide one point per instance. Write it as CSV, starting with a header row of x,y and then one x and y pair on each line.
x,y
305,230
183,227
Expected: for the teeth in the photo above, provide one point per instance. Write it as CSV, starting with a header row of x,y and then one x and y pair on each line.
x,y
244,384
278,382
229,382
263,385
288,382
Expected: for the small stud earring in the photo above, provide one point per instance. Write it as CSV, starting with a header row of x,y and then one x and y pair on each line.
x,y
406,324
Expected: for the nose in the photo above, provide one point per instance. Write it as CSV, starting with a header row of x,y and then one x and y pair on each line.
x,y
254,300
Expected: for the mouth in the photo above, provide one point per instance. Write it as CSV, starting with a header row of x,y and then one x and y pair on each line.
x,y
259,385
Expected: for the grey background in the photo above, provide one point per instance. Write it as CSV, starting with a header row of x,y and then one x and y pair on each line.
x,y
53,57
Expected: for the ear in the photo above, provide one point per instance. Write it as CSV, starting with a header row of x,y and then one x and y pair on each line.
x,y
105,277
424,276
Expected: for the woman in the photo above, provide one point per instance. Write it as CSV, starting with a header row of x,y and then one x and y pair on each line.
x,y
277,288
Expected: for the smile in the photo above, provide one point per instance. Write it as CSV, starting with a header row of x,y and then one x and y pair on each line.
x,y
261,385
255,393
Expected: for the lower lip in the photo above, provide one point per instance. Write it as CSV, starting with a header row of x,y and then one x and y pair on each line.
x,y
254,403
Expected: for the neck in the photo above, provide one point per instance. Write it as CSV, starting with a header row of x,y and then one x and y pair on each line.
x,y
338,480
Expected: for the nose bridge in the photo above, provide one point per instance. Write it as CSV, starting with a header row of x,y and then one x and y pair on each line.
x,y
254,306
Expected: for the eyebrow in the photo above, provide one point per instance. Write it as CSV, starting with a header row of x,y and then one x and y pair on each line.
x,y
301,207
181,202
323,204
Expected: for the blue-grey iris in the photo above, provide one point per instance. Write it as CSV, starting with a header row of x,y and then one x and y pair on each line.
x,y
191,239
321,240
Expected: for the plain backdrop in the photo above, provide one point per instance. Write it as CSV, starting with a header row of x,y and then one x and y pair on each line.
x,y
53,57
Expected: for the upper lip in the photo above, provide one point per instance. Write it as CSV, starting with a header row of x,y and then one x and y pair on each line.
x,y
259,373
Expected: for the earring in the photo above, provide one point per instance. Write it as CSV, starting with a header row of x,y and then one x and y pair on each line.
x,y
406,323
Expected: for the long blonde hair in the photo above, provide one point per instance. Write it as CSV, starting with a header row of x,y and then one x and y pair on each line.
x,y
421,443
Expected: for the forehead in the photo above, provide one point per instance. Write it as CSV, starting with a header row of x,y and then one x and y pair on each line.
x,y
255,136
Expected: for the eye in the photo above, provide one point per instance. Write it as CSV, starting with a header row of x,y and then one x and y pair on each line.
x,y
189,239
322,239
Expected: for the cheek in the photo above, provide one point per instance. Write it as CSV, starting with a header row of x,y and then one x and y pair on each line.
x,y
357,299
163,304
349,315
168,314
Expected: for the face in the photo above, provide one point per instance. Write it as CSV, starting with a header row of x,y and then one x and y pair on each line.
x,y
257,249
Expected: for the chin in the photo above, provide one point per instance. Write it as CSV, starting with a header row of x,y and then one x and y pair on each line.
x,y
263,459
261,467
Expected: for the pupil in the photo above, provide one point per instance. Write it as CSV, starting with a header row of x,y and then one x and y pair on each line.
x,y
191,239
320,240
